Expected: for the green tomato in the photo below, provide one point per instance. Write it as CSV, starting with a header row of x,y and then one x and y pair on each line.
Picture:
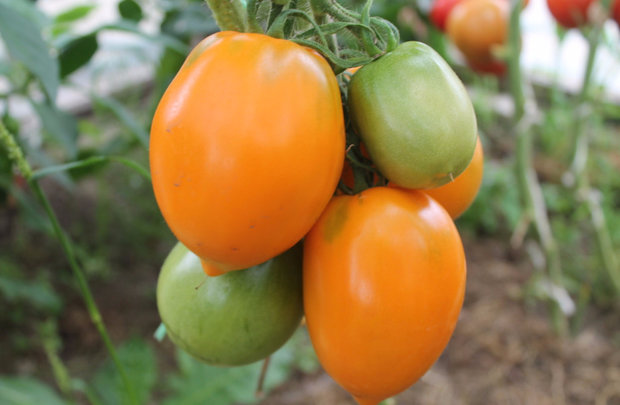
x,y
233,319
414,116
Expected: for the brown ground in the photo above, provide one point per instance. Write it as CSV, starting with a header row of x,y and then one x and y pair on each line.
x,y
502,352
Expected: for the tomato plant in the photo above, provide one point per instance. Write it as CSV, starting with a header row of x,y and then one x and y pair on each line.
x,y
384,279
246,148
459,194
476,27
570,13
414,116
237,318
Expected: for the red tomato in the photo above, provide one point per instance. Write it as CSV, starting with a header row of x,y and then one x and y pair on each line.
x,y
247,146
615,12
570,13
384,280
440,10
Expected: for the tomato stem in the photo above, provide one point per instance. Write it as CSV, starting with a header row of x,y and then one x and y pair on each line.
x,y
530,189
577,178
261,377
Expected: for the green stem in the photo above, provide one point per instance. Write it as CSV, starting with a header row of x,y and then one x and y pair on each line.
x,y
49,336
530,189
578,175
16,155
230,15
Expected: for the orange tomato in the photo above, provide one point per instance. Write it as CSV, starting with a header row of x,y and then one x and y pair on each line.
x,y
384,280
247,146
459,194
476,27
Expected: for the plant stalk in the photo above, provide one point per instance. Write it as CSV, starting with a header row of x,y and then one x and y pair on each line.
x,y
529,187
17,157
578,172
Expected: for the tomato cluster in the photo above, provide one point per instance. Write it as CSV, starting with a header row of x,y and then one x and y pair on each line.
x,y
247,148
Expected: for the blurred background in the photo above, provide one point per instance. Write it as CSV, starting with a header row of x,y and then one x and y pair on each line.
x,y
79,82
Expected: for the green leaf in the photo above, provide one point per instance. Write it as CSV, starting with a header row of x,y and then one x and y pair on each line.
x,y
74,14
29,10
139,362
25,43
59,125
125,117
39,294
130,10
27,391
166,40
77,53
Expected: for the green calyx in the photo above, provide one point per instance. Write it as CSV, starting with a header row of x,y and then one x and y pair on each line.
x,y
346,38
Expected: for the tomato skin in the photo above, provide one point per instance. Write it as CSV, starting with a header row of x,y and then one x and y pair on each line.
x,y
458,195
570,13
230,320
384,280
440,10
247,145
615,13
414,116
476,27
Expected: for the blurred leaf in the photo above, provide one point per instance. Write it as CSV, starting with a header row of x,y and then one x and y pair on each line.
x,y
198,383
125,117
163,39
189,20
74,14
28,10
16,289
24,42
59,125
139,362
77,53
130,10
27,391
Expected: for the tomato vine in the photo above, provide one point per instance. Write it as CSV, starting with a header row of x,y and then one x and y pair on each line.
x,y
315,24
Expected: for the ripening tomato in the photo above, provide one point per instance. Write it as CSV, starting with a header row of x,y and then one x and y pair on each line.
x,y
247,145
458,195
440,10
570,13
414,116
478,26
238,318
615,12
384,280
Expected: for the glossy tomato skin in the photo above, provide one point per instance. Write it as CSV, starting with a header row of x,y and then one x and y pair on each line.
x,y
570,13
440,9
458,195
237,318
247,145
384,280
414,116
476,27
